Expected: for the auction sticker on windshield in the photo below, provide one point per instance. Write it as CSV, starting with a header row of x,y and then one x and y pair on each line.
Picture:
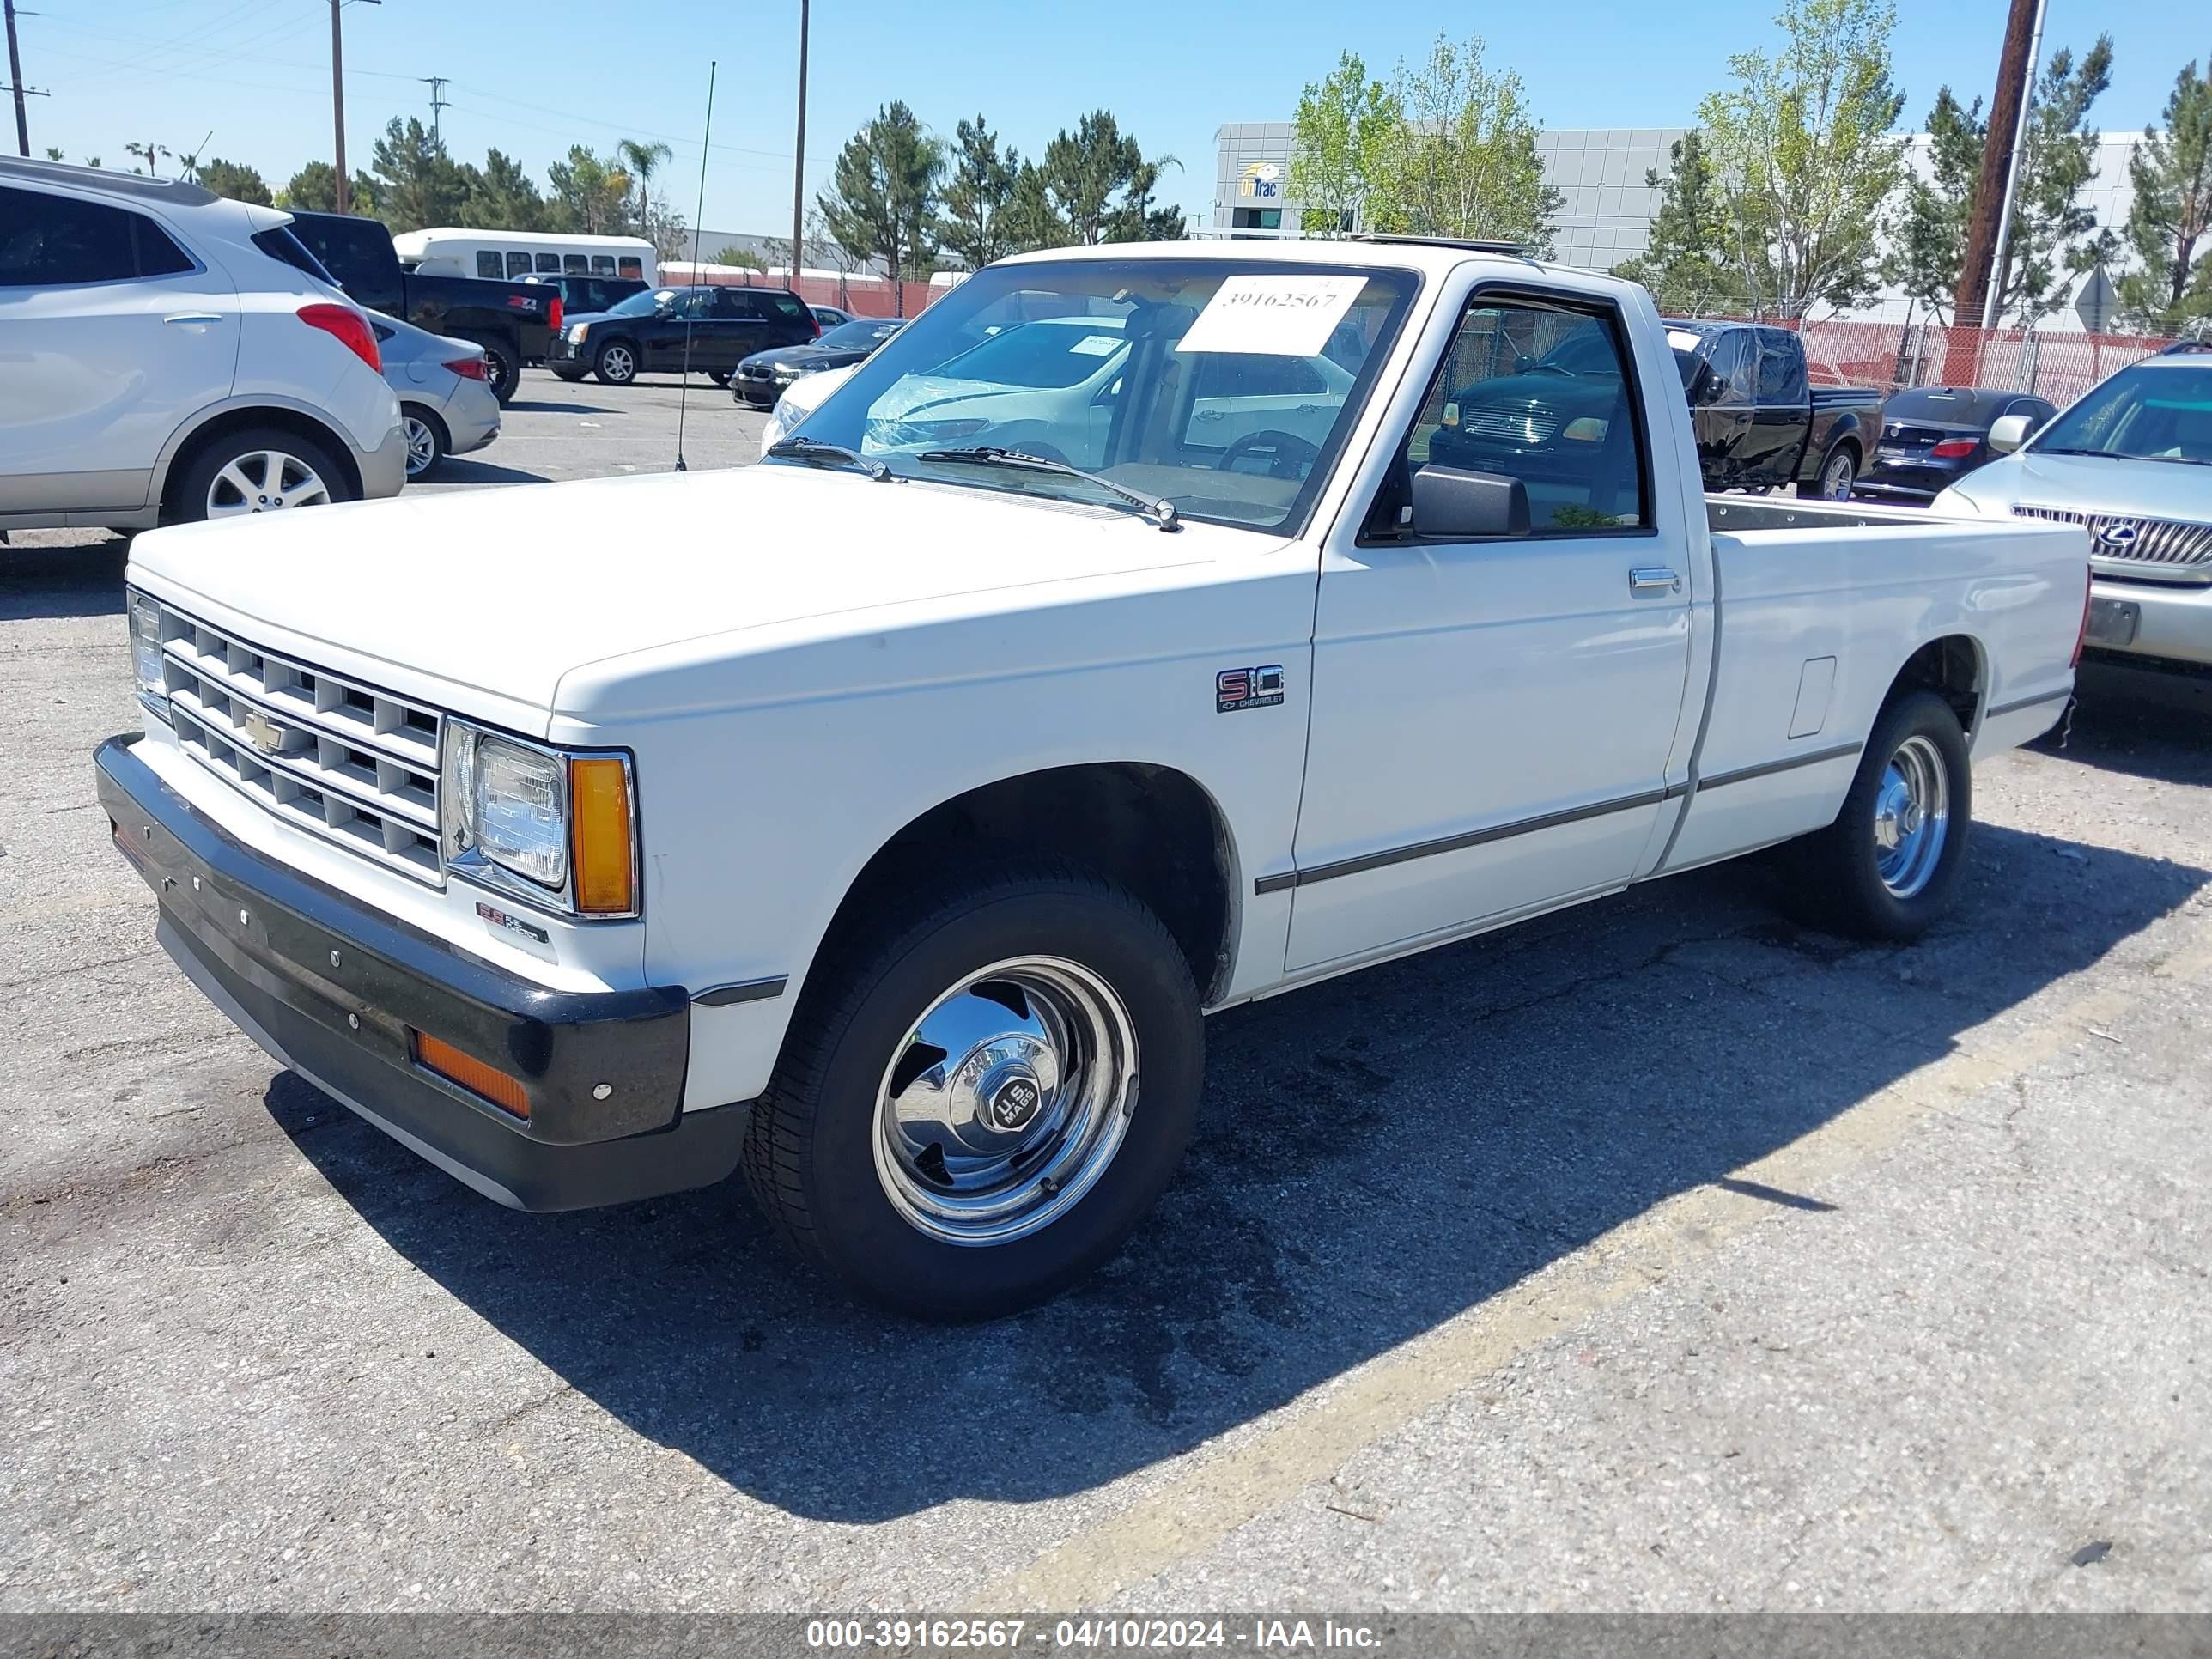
x,y
1276,315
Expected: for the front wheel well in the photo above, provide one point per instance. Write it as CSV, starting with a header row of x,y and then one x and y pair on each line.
x,y
1952,668
1151,829
232,421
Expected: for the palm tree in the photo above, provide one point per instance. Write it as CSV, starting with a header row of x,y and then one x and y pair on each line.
x,y
641,161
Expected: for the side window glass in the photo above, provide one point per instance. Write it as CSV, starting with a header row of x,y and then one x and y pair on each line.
x,y
488,263
49,240
603,264
1538,393
158,256
1781,372
548,264
576,265
630,265
518,264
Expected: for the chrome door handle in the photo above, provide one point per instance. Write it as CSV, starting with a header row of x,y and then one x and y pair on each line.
x,y
187,317
1655,580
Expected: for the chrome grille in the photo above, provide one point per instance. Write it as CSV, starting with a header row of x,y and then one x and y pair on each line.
x,y
2163,549
336,758
1512,427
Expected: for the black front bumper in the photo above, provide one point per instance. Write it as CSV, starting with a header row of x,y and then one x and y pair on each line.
x,y
336,990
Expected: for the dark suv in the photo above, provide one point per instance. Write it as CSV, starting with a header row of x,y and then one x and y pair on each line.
x,y
587,296
718,325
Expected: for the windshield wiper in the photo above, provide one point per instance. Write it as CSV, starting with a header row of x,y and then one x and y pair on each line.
x,y
813,449
1161,512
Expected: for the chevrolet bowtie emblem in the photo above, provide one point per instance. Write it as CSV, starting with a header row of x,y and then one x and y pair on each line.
x,y
263,733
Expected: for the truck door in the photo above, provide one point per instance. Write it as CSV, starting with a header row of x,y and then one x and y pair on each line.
x,y
1723,414
1783,416
1491,717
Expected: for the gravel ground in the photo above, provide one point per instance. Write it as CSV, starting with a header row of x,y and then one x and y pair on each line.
x,y
1656,1255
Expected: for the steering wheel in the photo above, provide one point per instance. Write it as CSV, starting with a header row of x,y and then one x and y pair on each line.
x,y
1287,452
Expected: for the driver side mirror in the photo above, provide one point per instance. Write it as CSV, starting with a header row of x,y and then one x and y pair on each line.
x,y
2009,432
1456,504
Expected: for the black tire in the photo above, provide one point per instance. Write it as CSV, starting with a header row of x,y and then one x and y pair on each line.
x,y
440,441
615,363
503,369
810,1148
188,496
1842,458
1835,879
719,376
571,375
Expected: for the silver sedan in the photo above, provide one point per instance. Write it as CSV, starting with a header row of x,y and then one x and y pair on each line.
x,y
446,400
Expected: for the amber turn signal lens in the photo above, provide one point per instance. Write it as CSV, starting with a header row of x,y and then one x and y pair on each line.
x,y
603,859
495,1085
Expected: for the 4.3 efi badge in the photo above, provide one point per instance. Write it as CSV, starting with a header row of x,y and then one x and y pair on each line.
x,y
1236,689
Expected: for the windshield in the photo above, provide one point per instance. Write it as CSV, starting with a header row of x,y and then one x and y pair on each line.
x,y
2141,414
645,304
856,336
1219,386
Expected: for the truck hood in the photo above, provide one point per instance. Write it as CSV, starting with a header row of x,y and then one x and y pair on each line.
x,y
502,593
2091,483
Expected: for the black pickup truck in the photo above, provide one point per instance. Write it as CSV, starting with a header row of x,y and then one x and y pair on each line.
x,y
1760,422
514,322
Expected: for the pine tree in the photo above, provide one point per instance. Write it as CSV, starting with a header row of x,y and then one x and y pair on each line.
x,y
1688,264
2170,224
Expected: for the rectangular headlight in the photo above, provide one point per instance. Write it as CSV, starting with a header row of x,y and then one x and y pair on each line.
x,y
576,333
146,653
563,824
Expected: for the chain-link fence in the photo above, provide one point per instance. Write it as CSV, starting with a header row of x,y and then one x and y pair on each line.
x,y
2058,365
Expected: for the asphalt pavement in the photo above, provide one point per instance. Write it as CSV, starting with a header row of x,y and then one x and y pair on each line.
x,y
1656,1255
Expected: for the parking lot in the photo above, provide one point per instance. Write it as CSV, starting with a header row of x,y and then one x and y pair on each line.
x,y
1657,1255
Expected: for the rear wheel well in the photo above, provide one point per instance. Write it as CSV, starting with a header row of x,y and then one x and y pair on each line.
x,y
1951,667
243,420
1149,829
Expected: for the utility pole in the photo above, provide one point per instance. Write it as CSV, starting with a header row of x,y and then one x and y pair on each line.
x,y
437,101
15,82
337,95
1993,192
798,165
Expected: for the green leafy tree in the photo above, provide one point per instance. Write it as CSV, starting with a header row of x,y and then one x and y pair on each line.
x,y
1347,127
1688,263
1093,185
53,152
741,258
236,180
882,200
1929,234
976,224
503,196
1461,161
314,189
591,194
2169,224
1801,145
2054,235
417,183
150,154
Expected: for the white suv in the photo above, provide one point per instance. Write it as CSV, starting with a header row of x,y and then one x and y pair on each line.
x,y
171,355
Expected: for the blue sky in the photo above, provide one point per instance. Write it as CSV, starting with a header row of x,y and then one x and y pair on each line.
x,y
531,78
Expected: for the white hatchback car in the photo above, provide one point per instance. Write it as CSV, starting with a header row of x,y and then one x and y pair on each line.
x,y
170,356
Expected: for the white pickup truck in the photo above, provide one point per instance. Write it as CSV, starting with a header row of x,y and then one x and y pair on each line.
x,y
883,818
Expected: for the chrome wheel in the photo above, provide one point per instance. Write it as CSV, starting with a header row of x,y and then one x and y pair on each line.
x,y
1007,1101
422,444
1838,477
1911,817
264,481
616,364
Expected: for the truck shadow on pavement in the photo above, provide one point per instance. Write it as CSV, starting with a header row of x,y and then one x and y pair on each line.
x,y
1375,1156
83,578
